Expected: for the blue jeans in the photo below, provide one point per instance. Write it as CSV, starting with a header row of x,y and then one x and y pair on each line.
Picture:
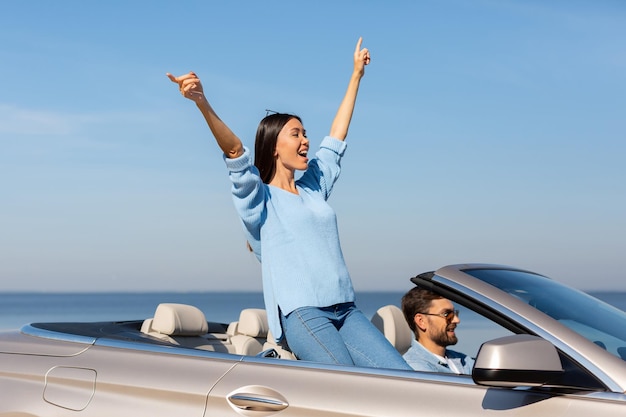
x,y
339,334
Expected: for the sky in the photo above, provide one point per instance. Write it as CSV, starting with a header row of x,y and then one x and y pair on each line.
x,y
485,131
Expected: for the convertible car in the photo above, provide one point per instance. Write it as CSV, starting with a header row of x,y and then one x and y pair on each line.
x,y
540,349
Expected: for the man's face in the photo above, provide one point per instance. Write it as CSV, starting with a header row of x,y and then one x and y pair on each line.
x,y
441,330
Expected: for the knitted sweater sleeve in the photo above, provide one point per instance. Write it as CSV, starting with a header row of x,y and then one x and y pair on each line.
x,y
324,169
248,193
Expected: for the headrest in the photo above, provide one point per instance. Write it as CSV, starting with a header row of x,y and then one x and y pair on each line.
x,y
253,322
179,320
391,322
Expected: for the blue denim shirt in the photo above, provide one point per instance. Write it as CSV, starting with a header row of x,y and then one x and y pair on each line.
x,y
421,359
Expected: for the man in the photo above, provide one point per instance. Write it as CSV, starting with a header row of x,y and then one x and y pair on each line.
x,y
433,320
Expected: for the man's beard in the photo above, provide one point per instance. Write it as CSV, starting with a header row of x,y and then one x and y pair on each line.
x,y
443,339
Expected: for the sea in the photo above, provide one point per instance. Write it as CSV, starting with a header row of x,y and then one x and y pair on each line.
x,y
20,308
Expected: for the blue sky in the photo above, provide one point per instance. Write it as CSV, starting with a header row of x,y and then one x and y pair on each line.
x,y
485,131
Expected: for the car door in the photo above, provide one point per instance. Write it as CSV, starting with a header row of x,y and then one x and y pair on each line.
x,y
264,387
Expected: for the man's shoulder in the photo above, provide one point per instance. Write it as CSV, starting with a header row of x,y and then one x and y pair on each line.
x,y
416,351
420,359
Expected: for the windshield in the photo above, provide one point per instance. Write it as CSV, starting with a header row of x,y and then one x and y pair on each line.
x,y
593,319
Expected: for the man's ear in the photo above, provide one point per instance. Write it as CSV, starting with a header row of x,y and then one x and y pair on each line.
x,y
420,322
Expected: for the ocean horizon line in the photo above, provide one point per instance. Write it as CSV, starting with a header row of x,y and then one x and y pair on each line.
x,y
68,292
238,291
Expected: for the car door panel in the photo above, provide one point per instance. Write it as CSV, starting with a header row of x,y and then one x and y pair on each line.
x,y
306,391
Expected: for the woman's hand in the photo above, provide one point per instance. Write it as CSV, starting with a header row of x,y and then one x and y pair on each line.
x,y
361,58
341,122
189,86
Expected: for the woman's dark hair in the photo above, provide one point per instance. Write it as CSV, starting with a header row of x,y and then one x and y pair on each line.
x,y
265,143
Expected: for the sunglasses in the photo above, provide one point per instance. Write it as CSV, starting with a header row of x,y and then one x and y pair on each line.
x,y
449,315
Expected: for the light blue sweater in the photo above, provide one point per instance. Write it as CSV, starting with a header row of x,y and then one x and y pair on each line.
x,y
294,236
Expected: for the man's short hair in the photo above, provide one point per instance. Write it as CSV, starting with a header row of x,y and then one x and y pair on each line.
x,y
417,300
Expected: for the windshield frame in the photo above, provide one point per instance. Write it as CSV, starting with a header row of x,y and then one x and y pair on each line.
x,y
593,319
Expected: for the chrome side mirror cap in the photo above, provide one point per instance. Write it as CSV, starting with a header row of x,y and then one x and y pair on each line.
x,y
518,360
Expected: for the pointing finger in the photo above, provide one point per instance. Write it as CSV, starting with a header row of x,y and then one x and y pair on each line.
x,y
358,45
184,77
171,77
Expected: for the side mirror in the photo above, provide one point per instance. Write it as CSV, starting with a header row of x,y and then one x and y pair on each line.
x,y
518,360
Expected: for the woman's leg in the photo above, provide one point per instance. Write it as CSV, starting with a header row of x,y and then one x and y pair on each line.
x,y
312,335
366,344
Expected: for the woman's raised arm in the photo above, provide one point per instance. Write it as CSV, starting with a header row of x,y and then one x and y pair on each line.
x,y
191,88
341,123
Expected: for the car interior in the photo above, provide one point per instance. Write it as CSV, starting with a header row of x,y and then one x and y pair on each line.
x,y
186,325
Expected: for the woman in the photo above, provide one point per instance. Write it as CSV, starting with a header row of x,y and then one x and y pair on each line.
x,y
292,230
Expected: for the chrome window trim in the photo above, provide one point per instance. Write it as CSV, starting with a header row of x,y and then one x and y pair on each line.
x,y
602,396
166,349
30,330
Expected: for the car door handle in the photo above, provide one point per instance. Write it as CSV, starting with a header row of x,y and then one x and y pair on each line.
x,y
255,402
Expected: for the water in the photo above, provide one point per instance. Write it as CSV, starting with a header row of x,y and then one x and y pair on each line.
x,y
17,309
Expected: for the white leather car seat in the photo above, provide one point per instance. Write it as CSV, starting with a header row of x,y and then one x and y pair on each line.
x,y
183,325
391,322
250,333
